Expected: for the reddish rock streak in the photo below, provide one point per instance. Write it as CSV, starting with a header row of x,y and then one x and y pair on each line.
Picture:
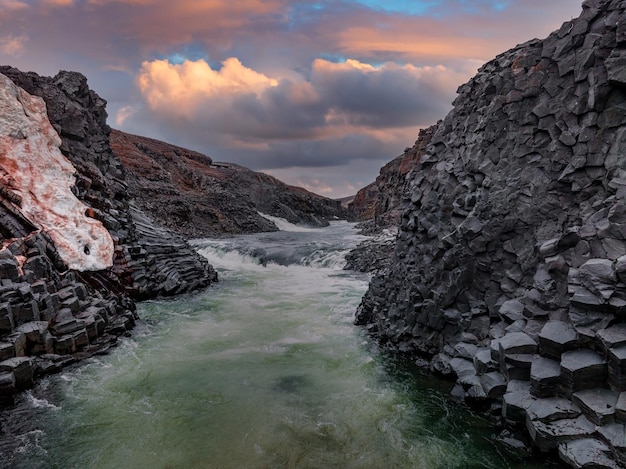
x,y
33,167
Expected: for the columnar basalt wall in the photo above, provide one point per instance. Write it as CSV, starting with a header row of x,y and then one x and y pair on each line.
x,y
75,251
510,263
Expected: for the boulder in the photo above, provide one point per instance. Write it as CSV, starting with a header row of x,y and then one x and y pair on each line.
x,y
516,401
553,408
615,436
22,369
617,367
613,336
548,435
620,407
494,384
557,337
598,404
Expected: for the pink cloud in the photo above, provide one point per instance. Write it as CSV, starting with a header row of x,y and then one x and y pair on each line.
x,y
13,45
58,3
179,88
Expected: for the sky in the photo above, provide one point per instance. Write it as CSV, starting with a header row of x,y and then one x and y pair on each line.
x,y
320,94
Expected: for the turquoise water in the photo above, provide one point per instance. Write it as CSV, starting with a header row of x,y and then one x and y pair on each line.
x,y
263,370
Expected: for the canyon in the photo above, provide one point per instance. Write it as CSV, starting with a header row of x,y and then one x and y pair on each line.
x,y
502,264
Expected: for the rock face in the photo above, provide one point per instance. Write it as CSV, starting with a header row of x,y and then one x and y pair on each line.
x,y
37,173
196,197
75,250
511,252
382,201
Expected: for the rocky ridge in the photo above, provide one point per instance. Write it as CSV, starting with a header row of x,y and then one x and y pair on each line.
x,y
196,197
509,272
51,315
381,202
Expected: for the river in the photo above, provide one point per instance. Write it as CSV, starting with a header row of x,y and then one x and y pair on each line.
x,y
262,370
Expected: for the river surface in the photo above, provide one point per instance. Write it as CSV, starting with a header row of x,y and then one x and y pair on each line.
x,y
262,370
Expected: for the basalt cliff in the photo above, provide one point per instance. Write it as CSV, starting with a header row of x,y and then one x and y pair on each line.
x,y
380,203
509,269
76,250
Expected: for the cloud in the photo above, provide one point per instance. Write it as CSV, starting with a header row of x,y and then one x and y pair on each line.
x,y
124,113
12,5
332,98
275,84
333,115
13,45
387,96
58,3
187,85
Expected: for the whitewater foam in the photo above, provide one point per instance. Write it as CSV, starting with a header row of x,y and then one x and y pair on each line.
x,y
283,225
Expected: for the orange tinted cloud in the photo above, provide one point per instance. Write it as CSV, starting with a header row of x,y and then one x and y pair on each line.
x,y
180,87
242,109
58,3
13,45
357,40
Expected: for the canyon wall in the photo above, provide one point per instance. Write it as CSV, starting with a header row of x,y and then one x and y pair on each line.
x,y
381,202
76,252
509,271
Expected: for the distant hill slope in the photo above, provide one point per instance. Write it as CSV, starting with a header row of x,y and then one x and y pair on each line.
x,y
191,194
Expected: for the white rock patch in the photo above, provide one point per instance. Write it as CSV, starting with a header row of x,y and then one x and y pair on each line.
x,y
33,167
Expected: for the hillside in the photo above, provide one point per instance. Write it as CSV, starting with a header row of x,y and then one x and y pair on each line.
x,y
191,194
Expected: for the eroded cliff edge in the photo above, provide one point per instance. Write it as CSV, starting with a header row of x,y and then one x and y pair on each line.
x,y
68,285
196,197
509,268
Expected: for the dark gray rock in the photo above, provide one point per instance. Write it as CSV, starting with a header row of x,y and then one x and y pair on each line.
x,y
620,407
557,337
483,363
614,336
494,384
615,436
517,204
512,310
517,343
553,408
598,404
545,375
582,369
587,453
548,435
515,405
617,367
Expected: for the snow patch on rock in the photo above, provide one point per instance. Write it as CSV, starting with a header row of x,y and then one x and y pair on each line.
x,y
33,168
